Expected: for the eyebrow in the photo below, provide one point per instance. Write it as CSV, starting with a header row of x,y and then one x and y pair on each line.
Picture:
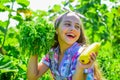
x,y
68,21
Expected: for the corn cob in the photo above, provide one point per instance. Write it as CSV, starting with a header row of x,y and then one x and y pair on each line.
x,y
84,58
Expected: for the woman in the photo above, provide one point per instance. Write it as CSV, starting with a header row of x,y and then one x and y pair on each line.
x,y
62,59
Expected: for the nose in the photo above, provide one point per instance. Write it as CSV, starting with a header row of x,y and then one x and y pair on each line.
x,y
72,28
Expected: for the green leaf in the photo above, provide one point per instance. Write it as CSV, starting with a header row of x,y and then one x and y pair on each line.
x,y
4,8
24,3
71,0
113,0
4,1
23,67
18,18
3,23
2,29
6,65
56,8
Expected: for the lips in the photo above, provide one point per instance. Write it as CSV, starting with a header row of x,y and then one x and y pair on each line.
x,y
70,35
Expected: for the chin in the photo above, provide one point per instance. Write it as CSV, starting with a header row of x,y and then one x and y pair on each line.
x,y
70,42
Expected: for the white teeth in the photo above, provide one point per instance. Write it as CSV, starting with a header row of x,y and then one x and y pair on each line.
x,y
71,34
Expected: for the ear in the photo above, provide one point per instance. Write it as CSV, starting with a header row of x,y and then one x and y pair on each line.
x,y
56,31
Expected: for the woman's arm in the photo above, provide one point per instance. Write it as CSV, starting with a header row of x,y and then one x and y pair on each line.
x,y
35,70
79,74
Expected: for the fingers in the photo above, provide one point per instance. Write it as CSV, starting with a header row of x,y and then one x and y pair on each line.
x,y
92,60
93,57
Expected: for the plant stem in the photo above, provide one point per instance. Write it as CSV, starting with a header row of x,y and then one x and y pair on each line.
x,y
6,30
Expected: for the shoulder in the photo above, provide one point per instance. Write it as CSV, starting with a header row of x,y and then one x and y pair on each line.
x,y
78,51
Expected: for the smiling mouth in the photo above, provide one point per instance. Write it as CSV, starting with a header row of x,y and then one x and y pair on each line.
x,y
70,35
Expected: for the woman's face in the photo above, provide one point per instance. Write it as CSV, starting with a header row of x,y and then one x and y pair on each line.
x,y
69,29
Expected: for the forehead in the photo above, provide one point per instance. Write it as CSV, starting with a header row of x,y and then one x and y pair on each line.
x,y
71,17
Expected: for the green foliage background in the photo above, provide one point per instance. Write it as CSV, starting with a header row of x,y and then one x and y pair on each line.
x,y
102,23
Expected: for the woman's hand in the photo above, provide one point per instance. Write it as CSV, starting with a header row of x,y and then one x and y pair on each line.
x,y
92,60
79,74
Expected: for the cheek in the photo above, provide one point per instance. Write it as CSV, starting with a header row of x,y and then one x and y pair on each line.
x,y
78,32
63,30
78,36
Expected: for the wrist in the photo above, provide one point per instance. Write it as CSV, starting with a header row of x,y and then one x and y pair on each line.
x,y
79,68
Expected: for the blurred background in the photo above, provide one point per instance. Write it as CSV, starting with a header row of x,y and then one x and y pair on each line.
x,y
102,23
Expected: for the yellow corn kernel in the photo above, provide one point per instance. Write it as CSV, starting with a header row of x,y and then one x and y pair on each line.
x,y
84,58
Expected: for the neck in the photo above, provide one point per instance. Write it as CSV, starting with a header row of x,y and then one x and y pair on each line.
x,y
63,47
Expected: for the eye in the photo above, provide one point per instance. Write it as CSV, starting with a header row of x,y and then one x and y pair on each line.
x,y
67,24
77,27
